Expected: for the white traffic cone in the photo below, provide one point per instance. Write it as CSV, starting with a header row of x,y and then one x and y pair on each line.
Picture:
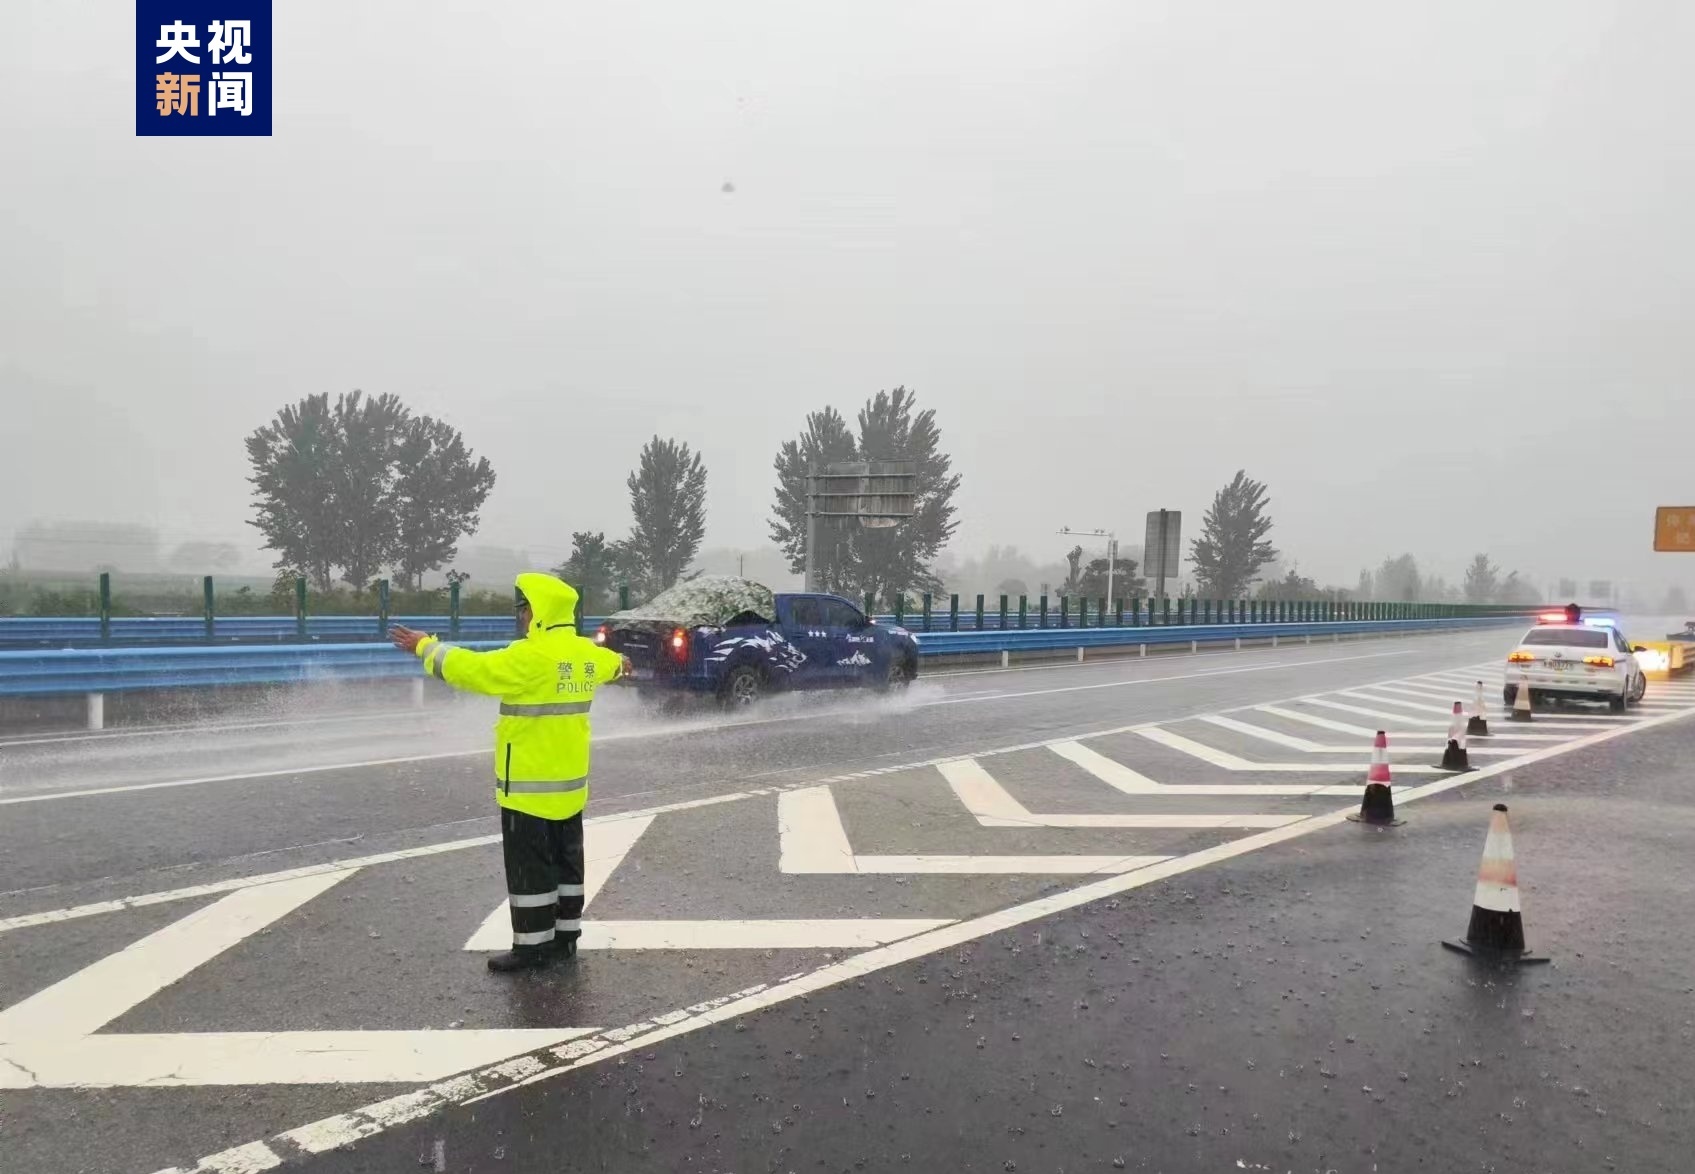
x,y
1455,757
1497,919
1378,804
1521,701
1478,726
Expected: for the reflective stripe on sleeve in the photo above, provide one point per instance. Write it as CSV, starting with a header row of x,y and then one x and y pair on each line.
x,y
554,709
538,938
531,900
438,657
570,890
545,788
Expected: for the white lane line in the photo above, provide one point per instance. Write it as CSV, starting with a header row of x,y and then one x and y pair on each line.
x,y
346,1128
813,841
239,1058
1291,742
994,806
1401,703
1115,774
246,776
1437,723
811,934
50,1035
231,884
1368,732
1257,668
1230,761
1443,697
811,838
99,993
96,737
602,854
1374,694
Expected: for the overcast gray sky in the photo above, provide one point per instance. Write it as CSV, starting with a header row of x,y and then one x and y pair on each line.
x,y
1424,268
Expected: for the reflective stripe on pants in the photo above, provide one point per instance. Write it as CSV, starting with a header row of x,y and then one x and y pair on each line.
x,y
544,875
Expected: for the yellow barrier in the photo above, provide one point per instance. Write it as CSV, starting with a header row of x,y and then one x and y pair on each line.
x,y
1662,659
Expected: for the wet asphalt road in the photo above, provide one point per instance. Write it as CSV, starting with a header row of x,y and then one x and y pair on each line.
x,y
433,768
381,949
1290,1010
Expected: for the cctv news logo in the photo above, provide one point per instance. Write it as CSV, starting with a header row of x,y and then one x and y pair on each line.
x,y
203,67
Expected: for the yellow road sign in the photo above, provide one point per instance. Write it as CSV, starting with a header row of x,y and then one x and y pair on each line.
x,y
1674,527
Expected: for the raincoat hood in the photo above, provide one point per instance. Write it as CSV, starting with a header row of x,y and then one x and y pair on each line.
x,y
552,600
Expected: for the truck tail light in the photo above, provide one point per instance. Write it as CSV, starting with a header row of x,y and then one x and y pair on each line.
x,y
1600,662
600,634
680,644
1521,658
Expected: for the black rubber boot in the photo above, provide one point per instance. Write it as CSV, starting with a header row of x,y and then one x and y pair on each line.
x,y
565,945
521,958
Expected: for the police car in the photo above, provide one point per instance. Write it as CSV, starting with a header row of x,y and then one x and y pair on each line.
x,y
1568,656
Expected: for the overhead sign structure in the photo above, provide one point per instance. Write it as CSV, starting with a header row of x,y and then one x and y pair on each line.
x,y
1674,528
875,493
1162,550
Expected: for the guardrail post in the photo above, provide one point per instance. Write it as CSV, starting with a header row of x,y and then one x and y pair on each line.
x,y
453,610
1065,611
870,604
1023,612
207,603
926,611
1166,617
1100,612
1118,620
382,606
623,597
1043,617
105,606
953,612
300,606
96,711
1003,613
900,609
1082,611
979,613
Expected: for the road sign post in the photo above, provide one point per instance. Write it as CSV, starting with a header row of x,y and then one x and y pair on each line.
x,y
1162,548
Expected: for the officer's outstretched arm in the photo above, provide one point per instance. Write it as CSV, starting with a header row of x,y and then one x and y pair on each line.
x,y
498,672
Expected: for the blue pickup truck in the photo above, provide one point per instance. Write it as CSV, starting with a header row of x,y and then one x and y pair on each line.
x,y
736,640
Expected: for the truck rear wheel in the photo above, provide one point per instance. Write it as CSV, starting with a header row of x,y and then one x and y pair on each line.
x,y
902,671
742,688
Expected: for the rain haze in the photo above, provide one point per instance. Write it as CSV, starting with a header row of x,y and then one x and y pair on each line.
x,y
1399,263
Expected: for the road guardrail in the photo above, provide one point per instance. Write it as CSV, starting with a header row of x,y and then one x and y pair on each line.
x,y
94,672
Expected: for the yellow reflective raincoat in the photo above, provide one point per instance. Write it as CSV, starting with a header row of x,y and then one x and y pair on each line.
x,y
546,683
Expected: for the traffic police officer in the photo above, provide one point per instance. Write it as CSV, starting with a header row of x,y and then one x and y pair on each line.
x,y
546,683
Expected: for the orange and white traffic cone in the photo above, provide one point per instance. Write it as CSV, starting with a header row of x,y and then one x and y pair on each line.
x,y
1497,920
1478,726
1521,701
1378,805
1455,757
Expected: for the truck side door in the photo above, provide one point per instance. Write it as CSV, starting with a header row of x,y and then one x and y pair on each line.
x,y
803,622
854,650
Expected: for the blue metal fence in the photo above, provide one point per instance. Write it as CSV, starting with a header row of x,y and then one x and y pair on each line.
x,y
48,672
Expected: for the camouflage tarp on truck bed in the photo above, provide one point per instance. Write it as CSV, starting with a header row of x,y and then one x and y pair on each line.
x,y
710,601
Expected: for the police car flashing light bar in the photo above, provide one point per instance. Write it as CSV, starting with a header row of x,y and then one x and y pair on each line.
x,y
1574,615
